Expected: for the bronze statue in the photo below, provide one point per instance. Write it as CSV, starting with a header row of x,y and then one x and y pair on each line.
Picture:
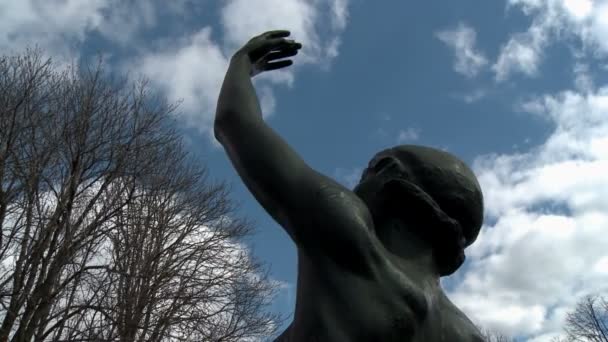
x,y
369,260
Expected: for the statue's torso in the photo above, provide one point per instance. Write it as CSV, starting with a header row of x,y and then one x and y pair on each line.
x,y
337,305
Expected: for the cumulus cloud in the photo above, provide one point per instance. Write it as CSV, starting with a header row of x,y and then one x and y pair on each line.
x,y
522,53
60,27
583,80
543,244
317,25
192,69
188,68
241,19
471,96
53,25
474,96
408,135
124,20
461,39
578,9
339,9
288,290
583,21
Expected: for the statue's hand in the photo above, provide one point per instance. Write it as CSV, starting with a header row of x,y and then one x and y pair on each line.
x,y
261,50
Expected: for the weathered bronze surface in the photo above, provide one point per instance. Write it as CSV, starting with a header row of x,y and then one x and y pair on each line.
x,y
370,259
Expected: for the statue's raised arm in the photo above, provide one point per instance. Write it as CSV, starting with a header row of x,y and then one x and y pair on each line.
x,y
300,199
370,259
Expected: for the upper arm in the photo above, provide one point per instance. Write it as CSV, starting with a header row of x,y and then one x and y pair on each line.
x,y
339,226
315,211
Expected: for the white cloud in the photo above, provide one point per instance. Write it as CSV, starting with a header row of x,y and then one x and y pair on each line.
x,y
193,68
527,5
474,96
126,19
53,25
242,19
60,27
583,79
267,100
471,96
188,68
192,72
522,53
287,290
544,245
408,135
582,21
578,9
461,39
598,29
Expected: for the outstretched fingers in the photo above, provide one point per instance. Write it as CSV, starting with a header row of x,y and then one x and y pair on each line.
x,y
280,48
277,34
281,44
281,54
267,66
277,65
267,50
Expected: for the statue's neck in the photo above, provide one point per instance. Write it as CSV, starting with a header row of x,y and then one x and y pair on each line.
x,y
408,250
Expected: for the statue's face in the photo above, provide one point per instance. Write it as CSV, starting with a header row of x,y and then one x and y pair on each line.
x,y
387,171
406,175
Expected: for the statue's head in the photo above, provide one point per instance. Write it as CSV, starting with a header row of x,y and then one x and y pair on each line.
x,y
430,188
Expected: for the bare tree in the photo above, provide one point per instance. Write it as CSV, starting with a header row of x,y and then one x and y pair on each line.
x,y
109,230
588,321
494,336
175,275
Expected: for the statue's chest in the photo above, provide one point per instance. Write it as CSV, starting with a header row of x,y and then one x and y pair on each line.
x,y
333,305
352,308
391,308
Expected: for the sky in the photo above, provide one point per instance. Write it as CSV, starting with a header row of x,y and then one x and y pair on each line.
x,y
518,89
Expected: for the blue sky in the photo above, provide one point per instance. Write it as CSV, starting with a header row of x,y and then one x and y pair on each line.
x,y
518,89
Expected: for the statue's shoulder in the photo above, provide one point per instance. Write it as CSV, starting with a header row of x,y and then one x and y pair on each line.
x,y
332,208
341,205
338,224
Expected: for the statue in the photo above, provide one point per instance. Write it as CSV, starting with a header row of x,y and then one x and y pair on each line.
x,y
370,259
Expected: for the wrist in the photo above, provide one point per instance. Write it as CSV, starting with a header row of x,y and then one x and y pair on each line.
x,y
240,62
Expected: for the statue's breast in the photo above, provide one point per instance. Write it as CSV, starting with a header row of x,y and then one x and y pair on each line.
x,y
446,323
337,305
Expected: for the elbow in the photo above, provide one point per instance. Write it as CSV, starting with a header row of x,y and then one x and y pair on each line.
x,y
219,125
217,131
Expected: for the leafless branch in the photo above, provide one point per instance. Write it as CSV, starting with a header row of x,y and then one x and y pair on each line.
x,y
110,231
